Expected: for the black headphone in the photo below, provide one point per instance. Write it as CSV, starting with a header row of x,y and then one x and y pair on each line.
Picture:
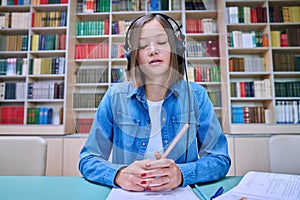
x,y
180,41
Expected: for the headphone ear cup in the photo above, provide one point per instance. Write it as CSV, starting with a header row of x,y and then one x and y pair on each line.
x,y
127,55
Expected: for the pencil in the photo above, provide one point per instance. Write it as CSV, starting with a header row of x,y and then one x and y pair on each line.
x,y
175,141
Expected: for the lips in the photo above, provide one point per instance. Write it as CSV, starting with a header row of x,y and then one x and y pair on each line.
x,y
156,61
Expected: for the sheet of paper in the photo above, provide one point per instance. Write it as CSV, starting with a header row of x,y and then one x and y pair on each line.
x,y
178,193
262,185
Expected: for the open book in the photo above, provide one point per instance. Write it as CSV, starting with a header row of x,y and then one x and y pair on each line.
x,y
262,186
176,194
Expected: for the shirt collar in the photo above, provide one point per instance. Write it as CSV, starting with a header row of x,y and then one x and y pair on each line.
x,y
175,89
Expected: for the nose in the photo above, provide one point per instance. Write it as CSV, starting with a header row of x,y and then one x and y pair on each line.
x,y
153,49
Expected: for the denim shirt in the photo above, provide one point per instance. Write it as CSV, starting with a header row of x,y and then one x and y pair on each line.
x,y
122,126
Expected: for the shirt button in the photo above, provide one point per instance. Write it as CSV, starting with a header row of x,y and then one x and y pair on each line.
x,y
163,119
143,144
166,141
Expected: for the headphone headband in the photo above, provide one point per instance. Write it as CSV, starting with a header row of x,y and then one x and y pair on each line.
x,y
166,17
180,40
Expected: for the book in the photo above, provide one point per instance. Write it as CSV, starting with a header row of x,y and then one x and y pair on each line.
x,y
264,185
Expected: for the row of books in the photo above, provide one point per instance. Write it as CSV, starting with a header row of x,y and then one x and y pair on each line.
x,y
287,89
120,27
118,75
205,26
92,6
202,49
117,50
15,20
204,73
257,89
247,114
215,97
13,42
284,13
12,90
14,2
48,42
287,112
194,5
157,5
84,28
91,50
13,66
247,64
11,114
239,39
126,5
38,2
45,90
49,19
87,100
288,38
47,65
246,14
92,75
38,115
83,125
286,62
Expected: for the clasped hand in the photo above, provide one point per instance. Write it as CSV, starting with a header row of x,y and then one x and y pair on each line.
x,y
154,175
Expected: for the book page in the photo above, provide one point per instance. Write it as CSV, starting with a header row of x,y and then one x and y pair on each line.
x,y
262,185
178,193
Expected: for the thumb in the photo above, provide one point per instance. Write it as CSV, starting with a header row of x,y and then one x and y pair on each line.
x,y
157,155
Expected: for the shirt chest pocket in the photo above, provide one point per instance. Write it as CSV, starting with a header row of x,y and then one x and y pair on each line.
x,y
127,131
179,120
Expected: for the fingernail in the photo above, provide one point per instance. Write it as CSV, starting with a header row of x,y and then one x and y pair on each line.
x,y
148,188
148,165
143,182
143,174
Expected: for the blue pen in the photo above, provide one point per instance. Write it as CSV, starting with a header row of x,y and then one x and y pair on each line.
x,y
218,193
205,197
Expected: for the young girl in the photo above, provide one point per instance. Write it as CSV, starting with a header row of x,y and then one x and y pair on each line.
x,y
136,121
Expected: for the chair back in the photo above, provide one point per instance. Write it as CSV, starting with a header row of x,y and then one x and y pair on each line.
x,y
23,156
284,154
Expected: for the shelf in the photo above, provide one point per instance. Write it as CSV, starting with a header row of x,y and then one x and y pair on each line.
x,y
14,31
247,27
14,77
250,99
249,74
286,74
265,129
201,36
15,8
32,129
248,50
190,14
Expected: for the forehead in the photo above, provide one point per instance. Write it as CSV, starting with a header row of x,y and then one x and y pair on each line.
x,y
152,28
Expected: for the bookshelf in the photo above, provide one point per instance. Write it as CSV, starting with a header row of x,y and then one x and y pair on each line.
x,y
255,103
34,68
119,19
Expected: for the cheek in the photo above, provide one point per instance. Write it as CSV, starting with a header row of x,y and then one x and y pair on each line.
x,y
141,57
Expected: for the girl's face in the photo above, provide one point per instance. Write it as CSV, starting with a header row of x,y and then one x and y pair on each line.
x,y
154,54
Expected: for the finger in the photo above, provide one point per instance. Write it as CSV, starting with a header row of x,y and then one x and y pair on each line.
x,y
163,185
158,181
157,155
160,163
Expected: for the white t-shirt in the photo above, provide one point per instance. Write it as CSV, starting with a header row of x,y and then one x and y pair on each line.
x,y
155,140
